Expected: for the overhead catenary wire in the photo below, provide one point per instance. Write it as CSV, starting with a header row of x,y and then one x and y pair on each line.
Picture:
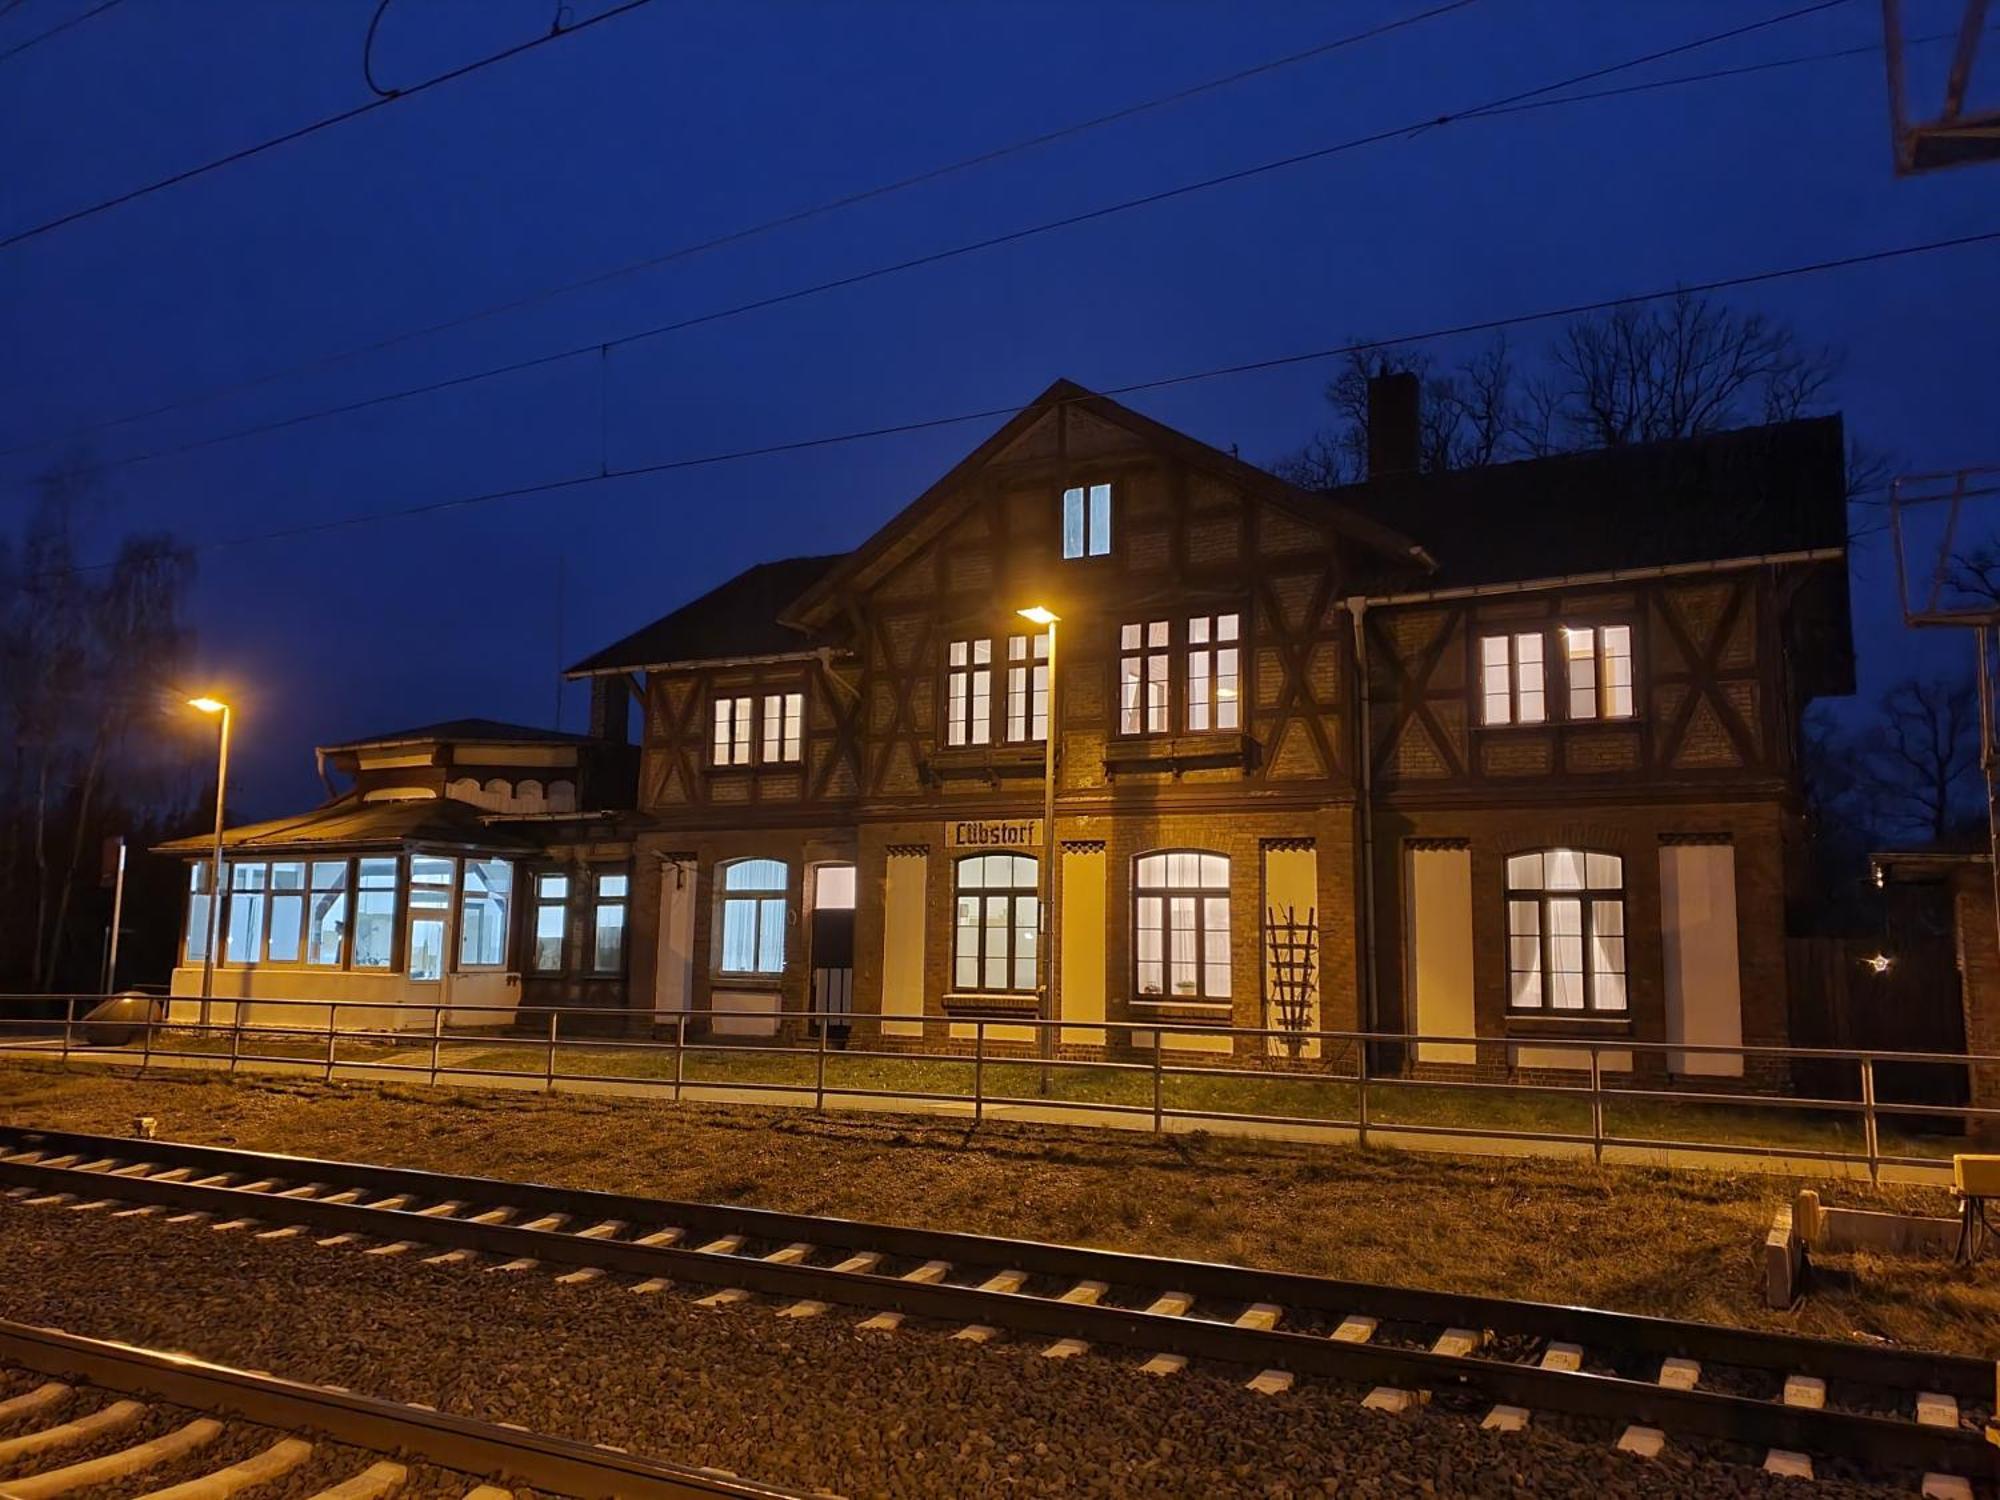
x,y
56,30
826,440
299,133
954,252
751,231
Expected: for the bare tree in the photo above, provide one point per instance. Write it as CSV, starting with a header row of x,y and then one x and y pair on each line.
x,y
1921,758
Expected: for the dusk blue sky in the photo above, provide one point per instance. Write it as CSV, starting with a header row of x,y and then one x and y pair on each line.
x,y
681,121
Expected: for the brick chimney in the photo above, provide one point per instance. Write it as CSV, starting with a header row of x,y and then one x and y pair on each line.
x,y
610,708
1392,424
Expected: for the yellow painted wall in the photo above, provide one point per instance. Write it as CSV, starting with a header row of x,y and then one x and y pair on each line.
x,y
1083,934
1704,983
1291,879
1441,951
903,943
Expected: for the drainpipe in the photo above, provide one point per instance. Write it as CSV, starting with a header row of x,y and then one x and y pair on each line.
x,y
1364,760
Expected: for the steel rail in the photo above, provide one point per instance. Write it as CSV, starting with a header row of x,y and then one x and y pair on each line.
x,y
558,1465
1878,1441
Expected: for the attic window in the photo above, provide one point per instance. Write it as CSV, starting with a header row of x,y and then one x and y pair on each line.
x,y
1087,521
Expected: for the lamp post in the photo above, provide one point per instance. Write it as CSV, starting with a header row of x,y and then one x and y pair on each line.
x,y
214,706
1045,956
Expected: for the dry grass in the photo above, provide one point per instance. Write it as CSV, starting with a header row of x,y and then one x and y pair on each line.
x,y
1677,1244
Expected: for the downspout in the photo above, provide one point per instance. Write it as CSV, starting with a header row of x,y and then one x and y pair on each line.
x,y
1364,760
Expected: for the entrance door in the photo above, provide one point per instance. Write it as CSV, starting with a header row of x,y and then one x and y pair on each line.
x,y
833,945
431,881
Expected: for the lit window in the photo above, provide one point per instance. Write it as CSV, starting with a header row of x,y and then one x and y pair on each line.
x,y
431,880
247,885
607,925
551,923
375,914
997,924
1087,521
753,917
1143,664
326,913
199,918
1511,679
1212,673
288,911
1027,688
1598,665
784,726
968,698
731,743
1566,931
1180,925
483,906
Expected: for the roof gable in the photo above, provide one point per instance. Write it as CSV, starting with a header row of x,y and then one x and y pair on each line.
x,y
735,619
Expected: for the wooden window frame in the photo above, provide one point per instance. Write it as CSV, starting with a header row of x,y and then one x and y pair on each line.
x,y
600,902
971,669
1027,689
1588,897
1166,892
1013,895
1089,513
1212,646
1146,653
1597,625
757,898
782,737
740,742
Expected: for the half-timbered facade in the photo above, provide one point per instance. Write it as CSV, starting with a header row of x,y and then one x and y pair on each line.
x,y
1518,742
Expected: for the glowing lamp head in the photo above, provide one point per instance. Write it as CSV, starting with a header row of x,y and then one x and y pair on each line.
x,y
1038,614
208,705
1879,963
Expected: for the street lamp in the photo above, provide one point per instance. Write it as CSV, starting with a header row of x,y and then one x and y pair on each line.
x,y
214,706
1039,614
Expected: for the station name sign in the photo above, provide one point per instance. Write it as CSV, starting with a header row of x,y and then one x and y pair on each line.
x,y
994,833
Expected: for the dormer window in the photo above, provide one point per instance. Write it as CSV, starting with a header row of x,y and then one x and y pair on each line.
x,y
1086,520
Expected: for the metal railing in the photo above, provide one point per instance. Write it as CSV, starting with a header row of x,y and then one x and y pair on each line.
x,y
1136,1072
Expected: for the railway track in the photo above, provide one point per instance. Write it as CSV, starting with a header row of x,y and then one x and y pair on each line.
x,y
1786,1397
89,1415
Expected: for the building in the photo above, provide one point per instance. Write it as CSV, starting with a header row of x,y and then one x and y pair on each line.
x,y
1517,742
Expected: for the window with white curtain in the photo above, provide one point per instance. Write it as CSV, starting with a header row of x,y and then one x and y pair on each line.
x,y
730,743
1180,925
968,695
1597,663
607,922
551,918
1566,932
1027,687
1144,664
1212,673
1512,683
997,923
753,917
784,727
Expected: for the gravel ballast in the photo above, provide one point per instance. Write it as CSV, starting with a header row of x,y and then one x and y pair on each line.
x,y
1673,1244
812,1403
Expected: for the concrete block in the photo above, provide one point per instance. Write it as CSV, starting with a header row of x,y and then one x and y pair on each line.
x,y
1645,1442
1164,1364
1805,1390
1171,1304
1066,1349
1458,1342
977,1333
1506,1419
1946,1487
1935,1410
1263,1315
1783,1256
651,1286
1787,1463
1566,1357
1355,1329
1843,1229
1680,1374
1394,1401
1270,1382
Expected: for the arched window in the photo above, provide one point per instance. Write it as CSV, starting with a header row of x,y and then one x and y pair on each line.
x,y
998,919
1566,931
1180,925
753,917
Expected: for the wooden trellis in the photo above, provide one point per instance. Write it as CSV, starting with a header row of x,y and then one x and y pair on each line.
x,y
1294,969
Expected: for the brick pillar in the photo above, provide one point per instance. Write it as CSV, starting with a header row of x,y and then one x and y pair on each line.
x,y
1979,984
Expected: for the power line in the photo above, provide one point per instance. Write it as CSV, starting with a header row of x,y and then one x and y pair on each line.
x,y
798,445
955,252
57,29
244,153
751,231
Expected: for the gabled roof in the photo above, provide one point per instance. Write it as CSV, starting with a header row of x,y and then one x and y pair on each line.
x,y
462,731
1752,492
350,823
929,513
739,618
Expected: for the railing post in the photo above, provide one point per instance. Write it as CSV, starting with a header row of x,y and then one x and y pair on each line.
x,y
680,1050
1159,1110
332,1016
1596,1105
819,1069
235,1036
549,1077
1361,1092
146,1045
1869,1131
978,1071
69,1021
437,1036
